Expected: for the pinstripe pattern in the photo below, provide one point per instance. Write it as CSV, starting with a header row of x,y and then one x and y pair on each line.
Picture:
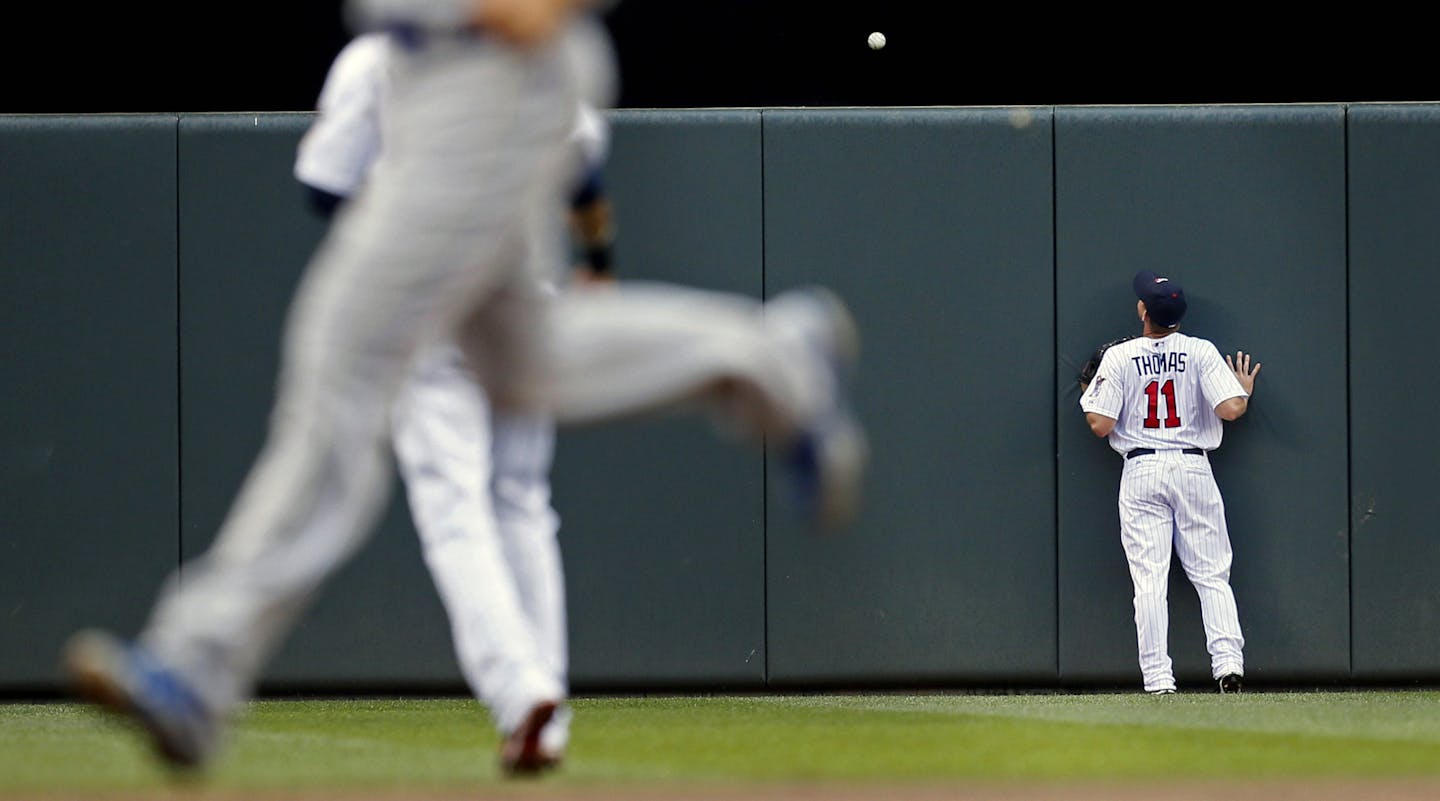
x,y
1202,381
479,491
1162,394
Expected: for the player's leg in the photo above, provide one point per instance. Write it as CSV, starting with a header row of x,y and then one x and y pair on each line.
x,y
1203,546
775,369
399,259
1146,531
641,347
443,444
432,232
522,451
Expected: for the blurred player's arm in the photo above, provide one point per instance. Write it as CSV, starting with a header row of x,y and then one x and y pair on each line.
x,y
592,224
323,202
592,219
343,140
521,22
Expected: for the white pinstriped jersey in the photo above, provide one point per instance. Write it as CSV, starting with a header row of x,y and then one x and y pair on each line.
x,y
1162,393
343,142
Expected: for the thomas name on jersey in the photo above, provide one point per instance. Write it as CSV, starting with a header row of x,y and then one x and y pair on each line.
x,y
1157,363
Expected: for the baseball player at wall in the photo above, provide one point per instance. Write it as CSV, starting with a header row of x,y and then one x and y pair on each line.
x,y
486,525
1161,399
438,245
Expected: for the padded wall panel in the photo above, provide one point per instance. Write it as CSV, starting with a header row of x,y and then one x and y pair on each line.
x,y
1394,160
935,226
88,456
1245,207
663,530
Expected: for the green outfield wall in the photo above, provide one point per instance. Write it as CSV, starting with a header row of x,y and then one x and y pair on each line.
x,y
147,262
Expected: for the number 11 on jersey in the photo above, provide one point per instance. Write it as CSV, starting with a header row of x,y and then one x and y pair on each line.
x,y
1153,391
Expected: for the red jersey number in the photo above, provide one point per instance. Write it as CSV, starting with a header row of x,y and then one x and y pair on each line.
x,y
1153,391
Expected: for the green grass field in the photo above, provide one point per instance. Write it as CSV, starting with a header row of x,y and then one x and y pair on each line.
x,y
447,744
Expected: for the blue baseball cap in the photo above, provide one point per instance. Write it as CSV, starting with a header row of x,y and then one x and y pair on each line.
x,y
1164,299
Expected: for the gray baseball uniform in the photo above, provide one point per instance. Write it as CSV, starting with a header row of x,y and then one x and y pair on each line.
x,y
440,245
478,483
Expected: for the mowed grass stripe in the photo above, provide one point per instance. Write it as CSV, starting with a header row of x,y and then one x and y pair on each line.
x,y
1409,716
1124,736
448,743
274,745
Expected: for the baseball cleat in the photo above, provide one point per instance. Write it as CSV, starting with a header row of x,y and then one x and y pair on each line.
x,y
521,754
129,681
827,459
1166,691
1230,683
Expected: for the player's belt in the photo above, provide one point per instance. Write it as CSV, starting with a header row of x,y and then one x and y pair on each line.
x,y
1149,451
412,37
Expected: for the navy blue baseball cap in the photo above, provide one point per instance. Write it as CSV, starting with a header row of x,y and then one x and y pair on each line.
x,y
1164,299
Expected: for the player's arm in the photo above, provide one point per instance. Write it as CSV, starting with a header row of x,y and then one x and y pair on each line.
x,y
593,227
343,140
1234,408
592,218
322,201
1092,364
1102,399
1100,425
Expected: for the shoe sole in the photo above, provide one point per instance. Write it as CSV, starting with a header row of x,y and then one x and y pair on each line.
x,y
90,661
521,755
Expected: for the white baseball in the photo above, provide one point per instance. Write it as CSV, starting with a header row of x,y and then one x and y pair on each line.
x,y
876,40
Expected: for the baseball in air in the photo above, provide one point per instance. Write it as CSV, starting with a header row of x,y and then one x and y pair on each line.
x,y
876,40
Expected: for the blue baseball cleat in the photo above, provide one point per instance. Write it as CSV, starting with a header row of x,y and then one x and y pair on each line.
x,y
827,465
126,679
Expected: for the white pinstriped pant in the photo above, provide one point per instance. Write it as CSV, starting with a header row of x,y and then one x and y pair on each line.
x,y
1169,502
479,489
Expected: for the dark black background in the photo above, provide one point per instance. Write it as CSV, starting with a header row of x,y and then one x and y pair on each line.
x,y
270,55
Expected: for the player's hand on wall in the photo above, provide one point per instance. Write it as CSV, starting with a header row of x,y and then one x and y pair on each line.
x,y
1240,365
522,22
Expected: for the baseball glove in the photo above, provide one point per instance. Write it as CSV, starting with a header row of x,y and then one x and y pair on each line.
x,y
1087,372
